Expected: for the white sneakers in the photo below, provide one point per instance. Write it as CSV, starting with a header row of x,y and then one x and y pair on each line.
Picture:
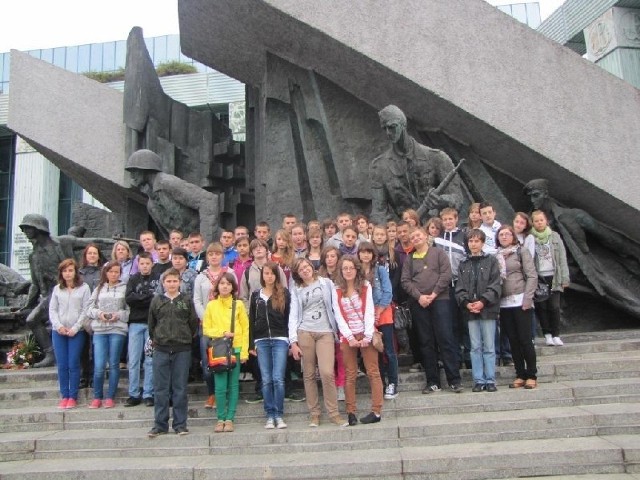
x,y
277,422
552,341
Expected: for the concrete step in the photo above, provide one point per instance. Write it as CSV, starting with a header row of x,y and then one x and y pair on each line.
x,y
517,458
424,431
407,404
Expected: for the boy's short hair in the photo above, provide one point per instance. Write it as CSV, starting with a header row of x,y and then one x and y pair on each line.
x,y
300,225
401,223
175,230
181,252
147,232
171,272
486,205
263,224
344,214
448,211
476,233
195,235
163,242
145,255
241,239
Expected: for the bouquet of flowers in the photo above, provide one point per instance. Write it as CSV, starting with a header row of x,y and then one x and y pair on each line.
x,y
24,353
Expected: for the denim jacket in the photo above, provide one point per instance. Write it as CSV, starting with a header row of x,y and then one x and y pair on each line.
x,y
382,293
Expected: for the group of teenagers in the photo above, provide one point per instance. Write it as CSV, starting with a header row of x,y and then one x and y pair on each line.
x,y
316,293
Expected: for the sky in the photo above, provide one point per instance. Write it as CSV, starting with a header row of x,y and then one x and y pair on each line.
x,y
31,24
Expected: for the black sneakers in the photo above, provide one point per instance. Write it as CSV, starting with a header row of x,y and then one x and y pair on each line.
x,y
132,402
370,418
154,432
478,387
457,388
352,419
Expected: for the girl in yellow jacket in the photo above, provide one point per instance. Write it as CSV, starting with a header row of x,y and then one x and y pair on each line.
x,y
217,323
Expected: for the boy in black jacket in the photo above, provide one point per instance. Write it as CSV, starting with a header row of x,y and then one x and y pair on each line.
x,y
173,324
478,293
140,290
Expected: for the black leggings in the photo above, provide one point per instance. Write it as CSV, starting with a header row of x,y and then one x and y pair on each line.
x,y
516,323
548,312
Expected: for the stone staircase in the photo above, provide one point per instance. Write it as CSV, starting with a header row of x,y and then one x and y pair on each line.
x,y
582,421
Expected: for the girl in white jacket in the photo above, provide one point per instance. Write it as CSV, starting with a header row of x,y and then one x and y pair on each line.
x,y
67,310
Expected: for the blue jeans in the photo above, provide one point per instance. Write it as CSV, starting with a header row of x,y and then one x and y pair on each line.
x,y
388,370
138,335
483,353
67,351
106,348
171,374
272,359
433,326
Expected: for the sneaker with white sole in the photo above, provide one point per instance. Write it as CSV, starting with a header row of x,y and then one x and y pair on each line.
x,y
557,341
271,424
390,392
280,423
548,340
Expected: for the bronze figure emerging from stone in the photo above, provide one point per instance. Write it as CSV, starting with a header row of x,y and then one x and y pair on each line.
x,y
410,175
173,202
43,264
608,261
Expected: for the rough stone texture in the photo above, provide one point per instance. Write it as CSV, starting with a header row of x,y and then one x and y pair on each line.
x,y
525,104
76,123
98,222
194,145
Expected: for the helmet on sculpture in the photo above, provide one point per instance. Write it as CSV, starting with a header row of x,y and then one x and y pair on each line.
x,y
144,160
36,221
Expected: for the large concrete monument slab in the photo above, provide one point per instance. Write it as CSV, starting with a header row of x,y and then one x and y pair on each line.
x,y
526,105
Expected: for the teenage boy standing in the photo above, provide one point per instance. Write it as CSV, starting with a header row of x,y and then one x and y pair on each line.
x,y
141,288
173,324
478,293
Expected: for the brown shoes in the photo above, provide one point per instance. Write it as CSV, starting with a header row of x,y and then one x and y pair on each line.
x,y
339,421
530,384
314,421
219,427
517,383
228,426
211,402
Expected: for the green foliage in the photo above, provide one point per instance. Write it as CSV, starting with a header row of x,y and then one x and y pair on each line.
x,y
175,68
106,77
163,70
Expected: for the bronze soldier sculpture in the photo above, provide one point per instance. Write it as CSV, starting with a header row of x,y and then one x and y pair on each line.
x,y
410,175
43,264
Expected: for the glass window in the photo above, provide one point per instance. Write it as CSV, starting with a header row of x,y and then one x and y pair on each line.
x,y
173,47
505,8
533,15
96,57
109,56
121,54
59,57
160,50
72,59
149,43
3,76
34,53
47,55
519,12
84,58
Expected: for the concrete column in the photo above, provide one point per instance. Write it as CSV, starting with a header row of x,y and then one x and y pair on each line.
x,y
36,190
613,43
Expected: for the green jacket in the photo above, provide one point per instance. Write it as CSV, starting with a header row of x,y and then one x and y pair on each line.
x,y
172,323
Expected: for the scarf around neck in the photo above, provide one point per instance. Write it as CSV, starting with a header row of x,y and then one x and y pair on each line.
x,y
543,236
